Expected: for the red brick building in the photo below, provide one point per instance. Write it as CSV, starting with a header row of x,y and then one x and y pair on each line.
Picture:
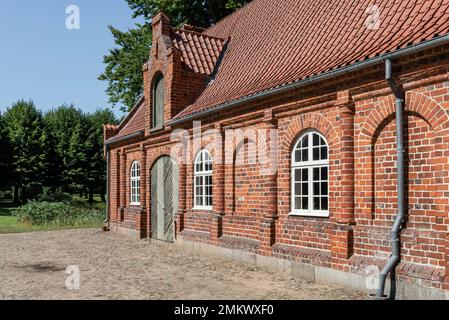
x,y
295,165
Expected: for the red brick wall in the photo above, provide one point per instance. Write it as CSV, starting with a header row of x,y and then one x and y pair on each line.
x,y
356,116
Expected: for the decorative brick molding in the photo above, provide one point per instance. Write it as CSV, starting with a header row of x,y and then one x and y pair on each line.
x,y
243,244
303,255
427,275
416,102
194,235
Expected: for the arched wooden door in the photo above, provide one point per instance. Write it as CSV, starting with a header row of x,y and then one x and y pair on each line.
x,y
164,198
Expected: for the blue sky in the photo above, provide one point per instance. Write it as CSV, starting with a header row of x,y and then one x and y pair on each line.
x,y
40,59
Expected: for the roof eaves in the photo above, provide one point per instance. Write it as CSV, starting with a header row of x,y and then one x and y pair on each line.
x,y
338,71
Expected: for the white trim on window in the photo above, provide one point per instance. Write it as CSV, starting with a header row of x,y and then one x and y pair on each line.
x,y
135,184
202,181
310,176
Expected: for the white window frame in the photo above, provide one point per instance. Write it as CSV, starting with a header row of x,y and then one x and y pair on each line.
x,y
309,165
134,185
200,158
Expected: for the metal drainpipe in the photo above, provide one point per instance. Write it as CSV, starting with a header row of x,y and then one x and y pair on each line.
x,y
395,244
106,221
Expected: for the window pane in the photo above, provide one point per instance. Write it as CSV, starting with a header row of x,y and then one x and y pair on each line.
x,y
324,173
316,189
297,156
316,174
316,139
322,142
305,142
297,189
209,190
297,203
324,203
305,175
297,175
316,154
305,155
305,189
316,203
305,203
324,189
324,155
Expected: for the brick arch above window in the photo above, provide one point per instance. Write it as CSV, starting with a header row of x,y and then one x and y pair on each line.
x,y
309,121
415,102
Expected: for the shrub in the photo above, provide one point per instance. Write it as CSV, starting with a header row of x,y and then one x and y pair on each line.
x,y
57,214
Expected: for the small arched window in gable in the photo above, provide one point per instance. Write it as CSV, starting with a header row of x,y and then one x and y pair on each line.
x,y
158,102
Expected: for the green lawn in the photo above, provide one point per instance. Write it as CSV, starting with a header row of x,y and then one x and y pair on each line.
x,y
9,223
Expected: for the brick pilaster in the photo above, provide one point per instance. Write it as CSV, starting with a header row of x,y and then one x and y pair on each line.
x,y
346,189
117,209
267,227
122,182
182,199
267,234
143,178
218,185
341,245
446,277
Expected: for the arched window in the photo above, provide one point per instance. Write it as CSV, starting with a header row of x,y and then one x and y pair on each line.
x,y
135,183
310,176
158,102
203,180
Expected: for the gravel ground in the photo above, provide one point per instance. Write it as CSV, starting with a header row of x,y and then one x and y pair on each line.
x,y
33,265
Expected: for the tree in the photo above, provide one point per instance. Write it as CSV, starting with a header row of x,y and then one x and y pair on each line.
x,y
96,179
24,126
68,130
124,65
5,156
123,70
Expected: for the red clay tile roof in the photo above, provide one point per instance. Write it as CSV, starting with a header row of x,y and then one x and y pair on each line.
x,y
199,52
134,121
279,42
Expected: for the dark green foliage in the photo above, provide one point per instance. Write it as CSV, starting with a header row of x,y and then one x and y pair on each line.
x,y
45,157
123,70
29,147
96,179
68,131
77,153
57,214
200,13
5,156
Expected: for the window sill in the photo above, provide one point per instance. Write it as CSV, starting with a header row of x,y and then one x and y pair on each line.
x,y
202,208
317,214
156,129
137,204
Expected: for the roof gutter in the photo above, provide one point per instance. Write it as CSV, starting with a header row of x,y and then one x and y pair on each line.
x,y
137,134
437,41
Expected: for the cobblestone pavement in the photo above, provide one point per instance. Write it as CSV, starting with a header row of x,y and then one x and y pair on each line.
x,y
33,266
